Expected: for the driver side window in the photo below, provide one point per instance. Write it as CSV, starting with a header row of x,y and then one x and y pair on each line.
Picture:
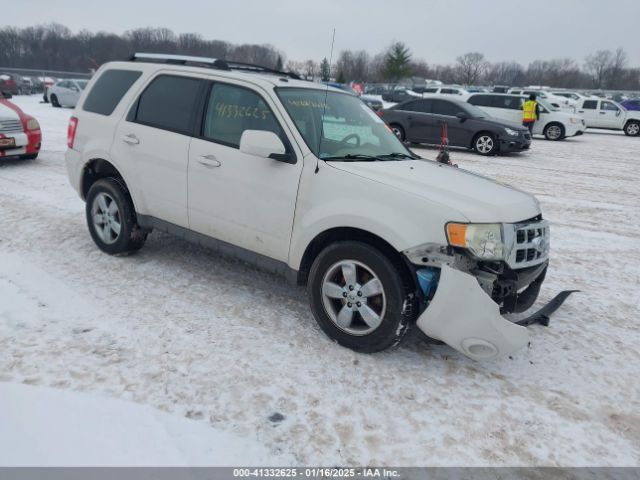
x,y
611,107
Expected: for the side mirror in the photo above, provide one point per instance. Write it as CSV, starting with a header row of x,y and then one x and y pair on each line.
x,y
462,116
618,112
262,143
6,94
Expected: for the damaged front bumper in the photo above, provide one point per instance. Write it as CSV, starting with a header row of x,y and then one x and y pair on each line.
x,y
463,306
463,316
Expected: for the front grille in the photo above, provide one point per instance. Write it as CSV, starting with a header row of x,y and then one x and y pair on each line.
x,y
530,242
10,126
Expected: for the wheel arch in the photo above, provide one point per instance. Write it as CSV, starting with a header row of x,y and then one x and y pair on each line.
x,y
630,120
98,168
336,234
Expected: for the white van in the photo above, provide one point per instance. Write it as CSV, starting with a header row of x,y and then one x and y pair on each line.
x,y
553,123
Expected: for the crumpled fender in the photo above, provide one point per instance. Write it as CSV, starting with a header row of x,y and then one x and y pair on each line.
x,y
463,316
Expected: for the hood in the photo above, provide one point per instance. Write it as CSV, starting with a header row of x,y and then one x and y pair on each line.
x,y
475,197
498,122
6,112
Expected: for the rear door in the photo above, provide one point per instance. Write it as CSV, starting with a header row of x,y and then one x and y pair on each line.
x,y
242,199
589,111
418,121
154,140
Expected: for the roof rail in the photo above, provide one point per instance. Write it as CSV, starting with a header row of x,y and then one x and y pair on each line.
x,y
207,62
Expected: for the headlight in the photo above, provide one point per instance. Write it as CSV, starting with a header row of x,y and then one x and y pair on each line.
x,y
511,132
575,120
32,124
483,240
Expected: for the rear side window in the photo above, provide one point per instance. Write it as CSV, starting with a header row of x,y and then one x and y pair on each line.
x,y
442,107
590,104
480,100
170,103
231,110
507,102
108,90
420,106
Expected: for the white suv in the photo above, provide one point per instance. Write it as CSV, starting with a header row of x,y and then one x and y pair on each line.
x,y
306,181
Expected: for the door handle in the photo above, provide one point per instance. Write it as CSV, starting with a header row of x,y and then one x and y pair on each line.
x,y
209,161
603,113
580,111
131,139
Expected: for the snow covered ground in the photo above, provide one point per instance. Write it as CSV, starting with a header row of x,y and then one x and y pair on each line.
x,y
182,330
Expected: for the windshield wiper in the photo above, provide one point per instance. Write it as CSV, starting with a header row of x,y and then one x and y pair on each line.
x,y
397,155
349,157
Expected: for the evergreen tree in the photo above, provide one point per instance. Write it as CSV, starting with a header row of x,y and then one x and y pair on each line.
x,y
397,62
325,70
279,64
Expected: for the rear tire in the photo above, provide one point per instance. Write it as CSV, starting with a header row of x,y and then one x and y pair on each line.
x,y
111,218
54,101
398,131
485,144
554,131
357,297
632,128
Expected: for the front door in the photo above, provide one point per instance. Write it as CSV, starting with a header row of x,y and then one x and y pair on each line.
x,y
610,115
242,199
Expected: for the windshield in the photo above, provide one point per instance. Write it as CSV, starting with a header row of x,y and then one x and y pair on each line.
x,y
345,128
82,83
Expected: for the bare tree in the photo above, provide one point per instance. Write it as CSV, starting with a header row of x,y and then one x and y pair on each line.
x,y
618,64
598,65
470,68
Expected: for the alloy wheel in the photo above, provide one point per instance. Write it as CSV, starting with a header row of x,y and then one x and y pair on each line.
x,y
554,132
106,218
353,297
484,144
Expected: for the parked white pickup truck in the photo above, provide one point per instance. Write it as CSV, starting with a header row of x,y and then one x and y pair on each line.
x,y
610,115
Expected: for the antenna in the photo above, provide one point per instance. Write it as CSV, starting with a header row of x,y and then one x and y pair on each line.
x,y
324,107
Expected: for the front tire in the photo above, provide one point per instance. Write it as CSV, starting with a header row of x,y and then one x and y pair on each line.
x,y
632,128
485,144
554,132
356,296
54,101
111,218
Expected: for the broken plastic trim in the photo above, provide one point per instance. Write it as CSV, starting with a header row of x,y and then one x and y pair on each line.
x,y
543,316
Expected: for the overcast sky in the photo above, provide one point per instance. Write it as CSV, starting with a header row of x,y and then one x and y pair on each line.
x,y
435,30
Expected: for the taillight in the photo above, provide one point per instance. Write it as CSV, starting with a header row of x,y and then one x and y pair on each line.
x,y
71,131
380,113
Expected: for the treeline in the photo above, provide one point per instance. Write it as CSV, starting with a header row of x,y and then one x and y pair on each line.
x,y
604,69
55,47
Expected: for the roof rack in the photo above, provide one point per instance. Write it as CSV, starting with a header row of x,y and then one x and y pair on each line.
x,y
207,62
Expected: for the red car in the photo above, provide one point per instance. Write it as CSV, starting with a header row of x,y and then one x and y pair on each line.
x,y
20,134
